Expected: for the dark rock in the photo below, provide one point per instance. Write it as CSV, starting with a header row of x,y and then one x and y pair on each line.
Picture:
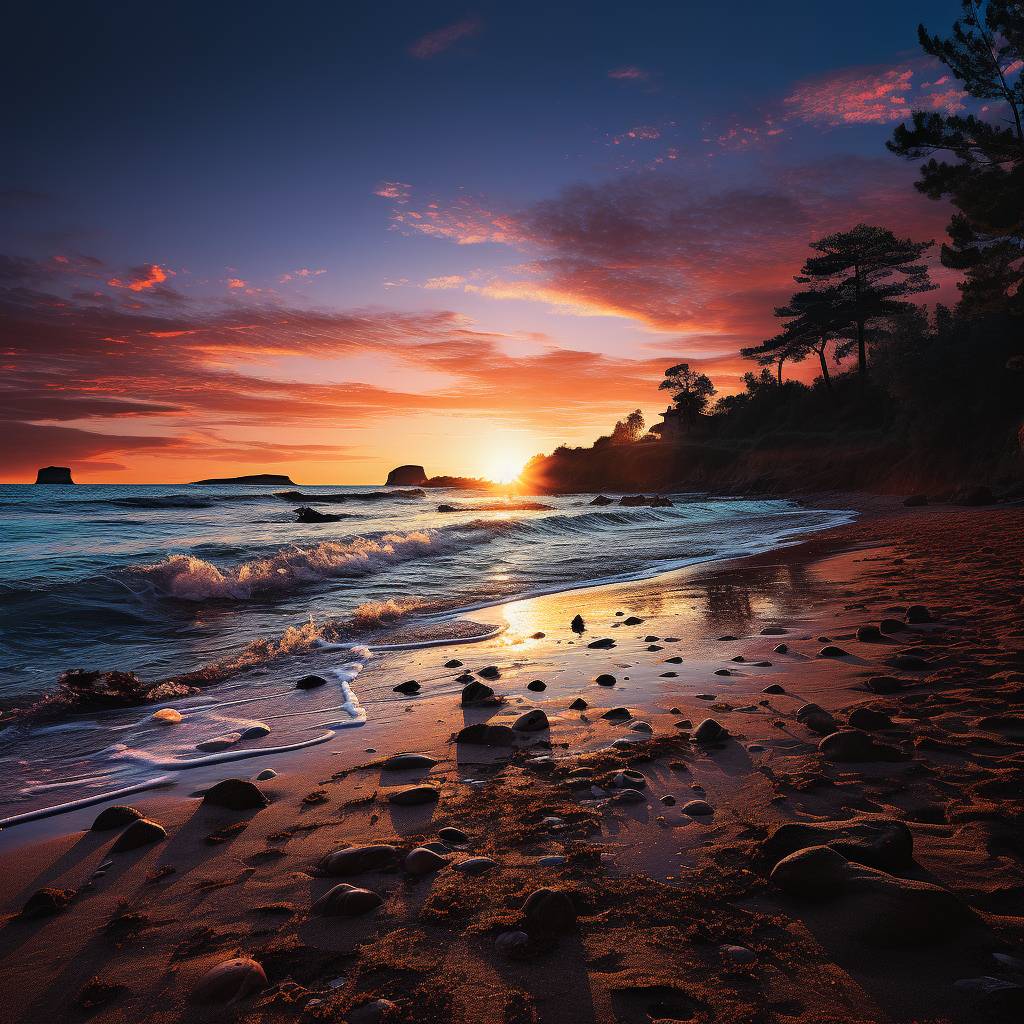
x,y
475,692
831,651
773,688
139,833
974,496
356,859
256,731
422,861
404,762
604,644
773,631
868,718
236,795
537,685
304,514
817,719
915,500
512,945
451,834
447,508
310,682
578,625
618,714
230,981
710,731
345,900
918,613
885,684
722,672
116,816
869,634
857,746
812,873
910,663
531,721
728,636
633,620
892,626
47,901
54,475
490,672
454,663
579,704
629,796
406,476
781,649
487,735
602,500
605,680
549,910
697,808
538,635
476,865
674,660
465,677
413,796
878,842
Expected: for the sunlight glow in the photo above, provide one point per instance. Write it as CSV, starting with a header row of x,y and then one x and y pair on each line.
x,y
504,467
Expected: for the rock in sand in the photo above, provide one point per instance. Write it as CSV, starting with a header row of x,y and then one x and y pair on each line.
x,y
139,833
422,861
310,682
236,795
230,981
550,910
532,721
116,816
345,900
356,859
413,796
855,745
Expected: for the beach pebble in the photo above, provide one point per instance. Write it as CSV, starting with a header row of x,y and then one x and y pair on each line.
x,y
675,660
345,900
465,677
629,796
115,816
454,663
868,718
622,744
167,716
549,910
629,777
727,637
910,663
577,625
255,731
531,721
422,861
668,800
633,620
266,775
781,649
228,739
403,762
831,651
555,860
476,865
450,834
490,672
722,672
918,613
475,692
605,680
355,859
773,688
869,634
617,714
705,696
642,727
487,735
892,626
236,795
139,833
604,644
46,901
655,647
772,631
512,944
409,687
697,808
310,682
579,704
885,684
230,980
538,635
414,795
537,685
755,748
710,731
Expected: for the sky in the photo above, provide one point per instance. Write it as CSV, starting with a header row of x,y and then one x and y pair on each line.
x,y
325,239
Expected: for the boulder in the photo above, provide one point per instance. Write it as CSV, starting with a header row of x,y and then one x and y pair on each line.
x,y
857,746
601,500
406,476
230,981
878,842
409,687
310,682
812,873
476,865
115,816
304,514
345,900
579,704
870,719
885,684
918,613
475,692
869,634
139,833
577,625
414,795
404,762
46,901
236,795
422,861
604,644
537,685
605,679
490,672
354,860
710,731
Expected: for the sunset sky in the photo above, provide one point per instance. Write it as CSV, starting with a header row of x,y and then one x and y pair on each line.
x,y
324,239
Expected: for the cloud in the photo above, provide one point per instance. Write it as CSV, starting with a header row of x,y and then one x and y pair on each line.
x,y
142,278
398,191
237,282
302,272
870,95
436,42
443,283
629,73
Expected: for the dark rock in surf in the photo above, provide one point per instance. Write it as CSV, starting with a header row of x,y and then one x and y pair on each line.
x,y
602,500
310,682
54,475
304,514
406,476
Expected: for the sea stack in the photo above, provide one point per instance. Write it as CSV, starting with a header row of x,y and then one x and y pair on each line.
x,y
406,476
54,475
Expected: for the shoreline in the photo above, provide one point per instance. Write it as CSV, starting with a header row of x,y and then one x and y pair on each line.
x,y
659,867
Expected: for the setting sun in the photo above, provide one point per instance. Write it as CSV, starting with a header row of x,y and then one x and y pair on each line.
x,y
504,467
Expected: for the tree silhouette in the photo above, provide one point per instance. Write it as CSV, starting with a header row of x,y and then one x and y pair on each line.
x,y
691,391
630,429
986,181
862,276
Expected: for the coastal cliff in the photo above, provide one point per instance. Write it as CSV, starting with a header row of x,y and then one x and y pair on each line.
x,y
54,475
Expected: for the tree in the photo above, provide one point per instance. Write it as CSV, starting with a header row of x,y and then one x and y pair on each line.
x,y
864,275
630,429
986,181
691,391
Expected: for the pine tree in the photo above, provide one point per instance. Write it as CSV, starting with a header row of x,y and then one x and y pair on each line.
x,y
691,391
985,181
866,273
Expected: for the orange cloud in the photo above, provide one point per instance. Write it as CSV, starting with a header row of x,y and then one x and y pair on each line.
x,y
398,191
143,278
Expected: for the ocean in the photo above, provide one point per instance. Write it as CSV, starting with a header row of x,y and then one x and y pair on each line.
x,y
220,587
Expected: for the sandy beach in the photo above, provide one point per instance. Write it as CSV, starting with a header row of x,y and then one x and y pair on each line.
x,y
842,843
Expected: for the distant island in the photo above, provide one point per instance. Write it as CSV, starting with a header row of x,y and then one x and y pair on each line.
x,y
416,476
54,475
270,479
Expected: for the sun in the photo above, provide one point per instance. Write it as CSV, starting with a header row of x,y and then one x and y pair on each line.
x,y
504,467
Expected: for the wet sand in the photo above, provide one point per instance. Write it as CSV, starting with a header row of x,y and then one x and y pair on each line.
x,y
912,909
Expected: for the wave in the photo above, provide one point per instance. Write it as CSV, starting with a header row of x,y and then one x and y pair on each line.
x,y
413,492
